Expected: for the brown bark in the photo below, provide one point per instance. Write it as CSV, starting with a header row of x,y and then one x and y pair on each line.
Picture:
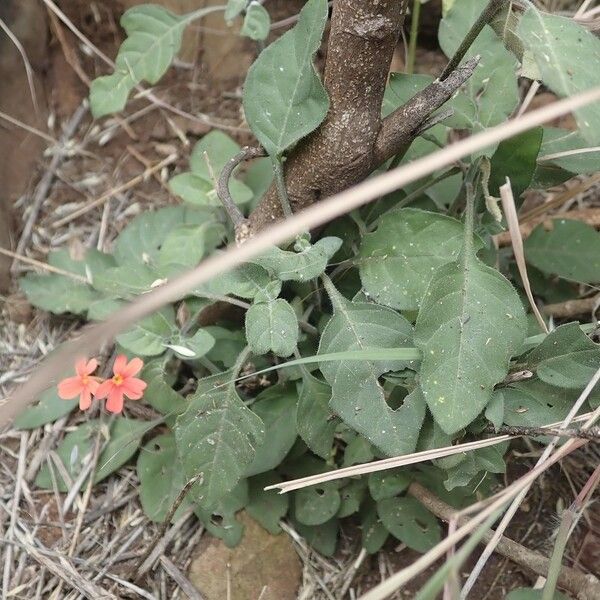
x,y
340,153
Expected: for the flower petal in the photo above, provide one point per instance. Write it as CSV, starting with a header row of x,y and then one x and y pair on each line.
x,y
91,366
93,384
81,367
119,365
133,368
114,404
85,400
133,388
104,389
69,388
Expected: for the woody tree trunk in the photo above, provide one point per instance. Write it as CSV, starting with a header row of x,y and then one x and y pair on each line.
x,y
353,139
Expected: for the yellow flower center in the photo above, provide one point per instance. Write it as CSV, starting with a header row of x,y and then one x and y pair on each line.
x,y
117,379
85,379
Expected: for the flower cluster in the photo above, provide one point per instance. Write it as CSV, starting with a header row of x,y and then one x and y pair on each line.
x,y
121,385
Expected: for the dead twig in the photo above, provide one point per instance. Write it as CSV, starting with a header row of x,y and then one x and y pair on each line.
x,y
180,579
222,187
572,308
592,434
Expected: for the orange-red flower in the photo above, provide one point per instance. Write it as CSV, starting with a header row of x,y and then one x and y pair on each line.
x,y
122,384
82,385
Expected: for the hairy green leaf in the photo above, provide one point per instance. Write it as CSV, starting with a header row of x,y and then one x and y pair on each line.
x,y
256,22
470,323
272,327
58,293
566,54
159,394
217,437
48,409
357,396
315,505
284,99
387,484
150,336
246,281
397,261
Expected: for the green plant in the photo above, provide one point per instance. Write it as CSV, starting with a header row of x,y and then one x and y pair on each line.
x,y
414,344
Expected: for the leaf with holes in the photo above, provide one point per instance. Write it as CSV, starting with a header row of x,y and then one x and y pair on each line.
x,y
308,262
315,422
315,505
397,261
217,437
284,99
48,409
272,327
566,358
161,478
154,37
357,396
410,522
566,54
569,249
470,323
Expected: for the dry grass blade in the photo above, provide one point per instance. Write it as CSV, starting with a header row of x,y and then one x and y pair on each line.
x,y
510,212
41,265
308,219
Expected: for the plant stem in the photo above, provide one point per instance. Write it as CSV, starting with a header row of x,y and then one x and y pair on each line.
x,y
493,6
560,544
281,189
414,33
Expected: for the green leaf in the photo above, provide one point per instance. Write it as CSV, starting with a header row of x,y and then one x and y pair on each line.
x,y
410,522
234,8
276,407
198,186
160,472
217,437
141,240
126,281
228,345
470,323
256,22
566,54
357,396
397,261
323,538
58,293
220,520
308,262
150,336
387,484
570,249
494,411
567,358
534,403
154,37
246,281
515,158
484,459
315,505
74,451
492,91
186,245
48,409
359,450
191,348
267,507
352,495
159,394
315,422
557,141
373,532
284,99
272,327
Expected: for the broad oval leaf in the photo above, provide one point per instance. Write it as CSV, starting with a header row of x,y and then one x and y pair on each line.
x,y
154,37
256,22
315,505
159,394
566,358
272,327
217,437
470,323
566,54
150,336
357,396
284,99
161,478
397,261
410,522
570,249
48,409
267,507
